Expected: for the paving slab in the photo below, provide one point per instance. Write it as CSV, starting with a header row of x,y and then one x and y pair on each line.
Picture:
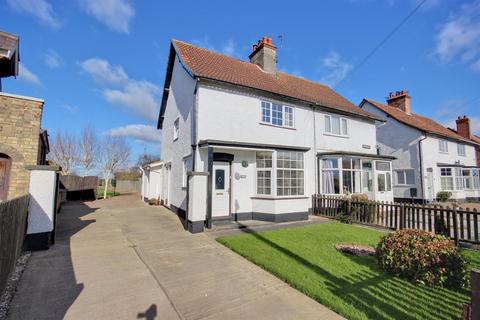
x,y
123,259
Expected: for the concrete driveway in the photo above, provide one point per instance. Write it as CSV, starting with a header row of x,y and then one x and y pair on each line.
x,y
122,259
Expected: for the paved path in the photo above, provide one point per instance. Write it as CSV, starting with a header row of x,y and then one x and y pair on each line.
x,y
122,259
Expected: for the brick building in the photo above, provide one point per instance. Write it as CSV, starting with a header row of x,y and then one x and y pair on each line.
x,y
22,140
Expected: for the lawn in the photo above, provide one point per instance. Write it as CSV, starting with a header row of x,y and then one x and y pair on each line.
x,y
354,287
110,193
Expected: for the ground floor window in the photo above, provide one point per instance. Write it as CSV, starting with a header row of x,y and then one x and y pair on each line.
x,y
446,179
476,179
405,177
187,166
280,173
264,173
353,175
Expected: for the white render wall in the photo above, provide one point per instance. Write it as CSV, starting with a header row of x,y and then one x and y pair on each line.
x,y
41,208
401,141
179,105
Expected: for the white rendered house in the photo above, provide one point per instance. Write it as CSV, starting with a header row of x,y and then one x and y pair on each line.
x,y
242,140
429,157
152,182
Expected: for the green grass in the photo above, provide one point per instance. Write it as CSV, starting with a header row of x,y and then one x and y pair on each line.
x,y
110,193
354,287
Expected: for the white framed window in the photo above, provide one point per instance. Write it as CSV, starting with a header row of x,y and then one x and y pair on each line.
x,y
277,114
264,173
351,175
459,181
330,176
461,149
476,179
467,179
443,146
176,128
405,177
290,174
446,179
336,125
187,166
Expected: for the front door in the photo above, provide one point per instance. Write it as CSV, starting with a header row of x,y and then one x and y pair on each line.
x,y
383,179
221,189
429,186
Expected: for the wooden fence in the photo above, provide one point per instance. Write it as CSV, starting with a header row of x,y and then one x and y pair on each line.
x,y
13,224
76,183
456,223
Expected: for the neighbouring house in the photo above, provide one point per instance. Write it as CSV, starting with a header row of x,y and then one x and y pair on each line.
x,y
429,157
243,140
463,129
22,140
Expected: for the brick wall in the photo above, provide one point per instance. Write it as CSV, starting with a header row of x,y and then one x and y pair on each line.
x,y
20,119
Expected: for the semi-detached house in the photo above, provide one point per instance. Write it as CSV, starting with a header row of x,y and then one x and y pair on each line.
x,y
242,140
430,157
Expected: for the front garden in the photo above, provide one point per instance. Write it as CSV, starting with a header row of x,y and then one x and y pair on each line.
x,y
353,286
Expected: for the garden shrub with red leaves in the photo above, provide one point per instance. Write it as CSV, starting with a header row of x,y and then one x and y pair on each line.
x,y
422,257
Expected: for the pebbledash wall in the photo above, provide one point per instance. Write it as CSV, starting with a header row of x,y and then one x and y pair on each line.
x,y
20,120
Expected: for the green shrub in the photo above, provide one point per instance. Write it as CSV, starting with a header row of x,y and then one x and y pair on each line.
x,y
443,196
422,257
344,218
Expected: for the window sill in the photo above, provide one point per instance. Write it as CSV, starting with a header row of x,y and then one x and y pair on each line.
x,y
405,185
279,198
275,126
336,135
443,152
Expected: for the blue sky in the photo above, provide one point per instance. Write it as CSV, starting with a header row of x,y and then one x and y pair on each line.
x,y
103,63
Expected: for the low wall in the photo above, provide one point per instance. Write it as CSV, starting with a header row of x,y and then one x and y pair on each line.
x,y
13,224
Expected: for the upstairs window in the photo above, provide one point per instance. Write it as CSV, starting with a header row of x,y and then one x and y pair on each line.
x,y
336,125
176,129
443,146
461,149
277,114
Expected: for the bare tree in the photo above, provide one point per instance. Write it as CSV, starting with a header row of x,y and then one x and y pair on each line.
x,y
89,149
64,151
114,154
147,158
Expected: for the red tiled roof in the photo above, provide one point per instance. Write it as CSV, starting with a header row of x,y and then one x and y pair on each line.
x,y
211,65
417,121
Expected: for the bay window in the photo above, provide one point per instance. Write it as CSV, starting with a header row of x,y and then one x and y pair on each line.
x,y
459,179
476,179
351,173
264,173
330,176
277,114
467,179
446,179
287,172
290,175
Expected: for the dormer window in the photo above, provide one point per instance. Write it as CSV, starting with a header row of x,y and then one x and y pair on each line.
x,y
277,114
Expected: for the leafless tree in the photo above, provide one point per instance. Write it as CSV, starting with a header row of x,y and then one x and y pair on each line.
x,y
64,151
89,149
114,154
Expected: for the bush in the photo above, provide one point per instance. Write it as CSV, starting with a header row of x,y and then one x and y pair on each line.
x,y
422,257
443,196
344,218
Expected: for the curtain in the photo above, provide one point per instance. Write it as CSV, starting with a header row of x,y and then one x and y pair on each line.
x,y
327,177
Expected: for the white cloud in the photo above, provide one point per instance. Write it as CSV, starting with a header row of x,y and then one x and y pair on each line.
x,y
53,59
70,108
141,97
335,69
459,37
115,14
139,132
103,72
40,9
228,47
28,76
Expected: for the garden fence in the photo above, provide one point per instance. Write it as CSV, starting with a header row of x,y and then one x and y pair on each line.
x,y
456,223
13,224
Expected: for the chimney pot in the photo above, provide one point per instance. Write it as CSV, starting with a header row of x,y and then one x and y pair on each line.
x,y
400,100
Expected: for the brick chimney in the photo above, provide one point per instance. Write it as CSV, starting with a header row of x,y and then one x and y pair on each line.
x,y
463,127
400,100
264,54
